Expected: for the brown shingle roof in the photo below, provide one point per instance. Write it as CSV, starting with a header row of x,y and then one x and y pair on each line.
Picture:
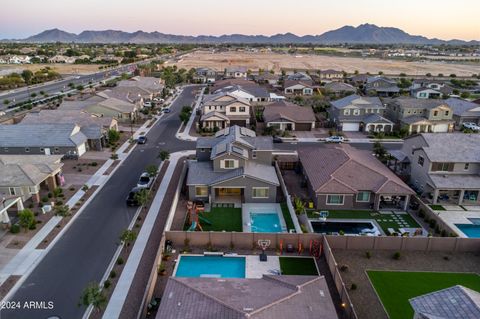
x,y
288,111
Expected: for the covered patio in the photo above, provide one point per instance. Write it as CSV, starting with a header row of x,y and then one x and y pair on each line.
x,y
454,189
377,123
227,196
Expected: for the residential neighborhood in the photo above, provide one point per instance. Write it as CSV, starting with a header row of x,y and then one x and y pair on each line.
x,y
218,168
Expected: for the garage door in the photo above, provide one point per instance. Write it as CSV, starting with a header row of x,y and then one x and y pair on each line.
x,y
351,127
440,128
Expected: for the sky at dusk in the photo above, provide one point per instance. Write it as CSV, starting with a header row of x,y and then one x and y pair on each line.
x,y
445,19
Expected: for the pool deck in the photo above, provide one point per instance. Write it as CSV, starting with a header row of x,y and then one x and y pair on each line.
x,y
378,229
260,208
254,268
458,216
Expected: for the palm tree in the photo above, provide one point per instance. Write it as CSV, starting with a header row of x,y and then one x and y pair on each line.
x,y
127,237
93,295
299,205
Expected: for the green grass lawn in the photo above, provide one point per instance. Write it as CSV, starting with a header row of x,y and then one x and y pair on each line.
x,y
384,220
228,219
286,216
437,207
395,288
298,266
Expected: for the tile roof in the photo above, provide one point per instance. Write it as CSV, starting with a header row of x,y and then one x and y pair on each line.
x,y
38,135
450,303
305,297
27,170
455,181
358,101
451,147
305,83
343,169
288,111
376,118
409,102
463,108
340,87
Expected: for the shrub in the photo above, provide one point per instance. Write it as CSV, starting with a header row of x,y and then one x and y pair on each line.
x,y
343,268
444,233
353,287
85,188
368,255
49,195
44,199
120,261
396,255
32,227
72,189
107,284
432,223
113,274
15,229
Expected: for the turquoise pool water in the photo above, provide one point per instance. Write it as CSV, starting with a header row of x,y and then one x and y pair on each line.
x,y
472,231
211,266
265,223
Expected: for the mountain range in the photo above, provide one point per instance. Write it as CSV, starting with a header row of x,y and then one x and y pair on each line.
x,y
362,34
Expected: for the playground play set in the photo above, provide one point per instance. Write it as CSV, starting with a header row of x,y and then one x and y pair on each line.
x,y
193,211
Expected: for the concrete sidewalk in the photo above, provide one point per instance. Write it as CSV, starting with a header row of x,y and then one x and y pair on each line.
x,y
120,293
185,135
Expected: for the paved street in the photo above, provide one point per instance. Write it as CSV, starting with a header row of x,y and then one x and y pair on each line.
x,y
86,249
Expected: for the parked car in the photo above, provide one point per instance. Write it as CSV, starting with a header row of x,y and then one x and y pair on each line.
x,y
166,110
142,139
471,126
335,139
277,139
145,181
131,198
147,104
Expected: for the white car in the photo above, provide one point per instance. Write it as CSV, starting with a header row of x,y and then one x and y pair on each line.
x,y
145,181
335,139
471,126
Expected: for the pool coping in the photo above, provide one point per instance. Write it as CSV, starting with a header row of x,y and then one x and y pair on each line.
x,y
246,207
361,220
177,261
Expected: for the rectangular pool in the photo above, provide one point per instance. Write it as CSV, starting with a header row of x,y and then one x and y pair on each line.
x,y
265,223
347,227
210,266
470,230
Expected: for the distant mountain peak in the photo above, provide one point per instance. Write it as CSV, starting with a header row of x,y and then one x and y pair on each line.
x,y
365,33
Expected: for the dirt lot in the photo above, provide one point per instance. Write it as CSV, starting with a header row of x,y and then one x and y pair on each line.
x,y
277,61
61,68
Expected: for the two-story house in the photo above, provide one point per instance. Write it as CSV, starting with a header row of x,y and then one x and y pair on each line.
x,y
429,89
381,86
464,111
205,75
360,113
223,110
445,168
421,115
233,167
244,89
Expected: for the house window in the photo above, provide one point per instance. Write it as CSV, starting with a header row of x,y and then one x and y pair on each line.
x,y
435,113
335,199
11,190
201,191
32,189
233,109
229,164
467,165
254,154
27,149
242,109
446,113
260,192
346,112
442,167
42,150
356,112
421,160
363,197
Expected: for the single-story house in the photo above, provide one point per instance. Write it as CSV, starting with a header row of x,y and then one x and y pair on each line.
x,y
340,88
287,116
236,72
280,297
342,177
298,87
425,93
94,127
24,175
47,139
120,110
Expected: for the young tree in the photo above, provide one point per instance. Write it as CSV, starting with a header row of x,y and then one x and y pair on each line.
x,y
26,218
113,136
93,295
299,205
142,197
127,237
62,210
379,150
152,170
164,155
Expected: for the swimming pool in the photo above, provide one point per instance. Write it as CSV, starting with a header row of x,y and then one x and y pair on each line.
x,y
349,228
470,230
265,223
210,266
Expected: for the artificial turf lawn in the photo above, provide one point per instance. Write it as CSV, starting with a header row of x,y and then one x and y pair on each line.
x,y
287,216
228,219
370,214
298,266
395,288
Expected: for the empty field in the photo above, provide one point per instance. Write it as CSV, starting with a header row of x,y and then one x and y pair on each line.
x,y
277,61
62,68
